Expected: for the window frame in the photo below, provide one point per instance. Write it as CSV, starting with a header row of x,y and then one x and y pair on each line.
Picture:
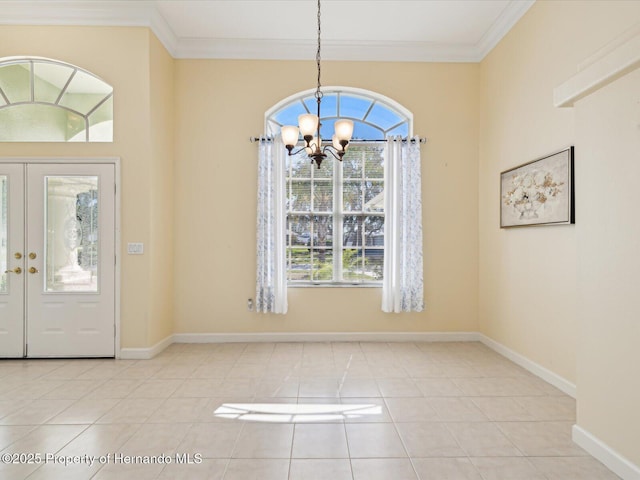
x,y
272,128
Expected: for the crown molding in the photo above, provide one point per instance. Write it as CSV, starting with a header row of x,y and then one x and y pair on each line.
x,y
145,13
331,50
503,24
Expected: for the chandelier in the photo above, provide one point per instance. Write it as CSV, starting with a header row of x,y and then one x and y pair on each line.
x,y
309,127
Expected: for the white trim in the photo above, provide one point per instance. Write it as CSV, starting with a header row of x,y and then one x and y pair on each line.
x,y
605,454
538,370
145,353
616,59
146,14
325,337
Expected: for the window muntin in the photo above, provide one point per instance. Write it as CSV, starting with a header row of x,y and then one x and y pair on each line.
x,y
50,101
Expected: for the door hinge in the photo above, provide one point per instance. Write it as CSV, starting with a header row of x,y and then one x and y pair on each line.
x,y
115,188
26,349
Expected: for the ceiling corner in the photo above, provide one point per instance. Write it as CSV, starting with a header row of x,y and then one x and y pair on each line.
x,y
503,24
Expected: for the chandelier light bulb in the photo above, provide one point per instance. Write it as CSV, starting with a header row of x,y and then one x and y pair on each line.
x,y
344,129
289,135
308,123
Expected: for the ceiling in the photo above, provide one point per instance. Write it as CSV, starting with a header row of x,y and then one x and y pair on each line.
x,y
400,30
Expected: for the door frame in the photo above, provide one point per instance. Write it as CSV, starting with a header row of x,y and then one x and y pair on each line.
x,y
115,161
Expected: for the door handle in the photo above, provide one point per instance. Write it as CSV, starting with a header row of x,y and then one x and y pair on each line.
x,y
16,270
33,270
17,255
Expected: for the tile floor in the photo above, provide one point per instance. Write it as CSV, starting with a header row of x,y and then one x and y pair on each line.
x,y
358,411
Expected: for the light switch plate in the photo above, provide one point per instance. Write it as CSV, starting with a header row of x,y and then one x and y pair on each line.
x,y
135,248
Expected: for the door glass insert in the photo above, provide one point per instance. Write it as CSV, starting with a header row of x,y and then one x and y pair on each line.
x,y
71,235
3,234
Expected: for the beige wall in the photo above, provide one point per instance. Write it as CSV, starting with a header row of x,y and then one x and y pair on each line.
x,y
220,104
528,280
608,139
121,56
566,297
161,253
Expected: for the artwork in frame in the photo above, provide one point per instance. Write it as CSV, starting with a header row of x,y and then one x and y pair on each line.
x,y
540,192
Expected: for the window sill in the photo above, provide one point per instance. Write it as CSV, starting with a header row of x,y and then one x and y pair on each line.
x,y
334,285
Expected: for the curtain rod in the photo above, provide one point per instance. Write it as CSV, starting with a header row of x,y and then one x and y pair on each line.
x,y
412,140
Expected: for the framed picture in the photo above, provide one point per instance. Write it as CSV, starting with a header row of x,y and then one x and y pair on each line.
x,y
539,192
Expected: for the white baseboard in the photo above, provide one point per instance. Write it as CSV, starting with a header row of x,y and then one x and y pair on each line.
x,y
145,353
605,454
326,337
548,376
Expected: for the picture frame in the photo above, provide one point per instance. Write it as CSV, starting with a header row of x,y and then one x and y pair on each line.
x,y
540,192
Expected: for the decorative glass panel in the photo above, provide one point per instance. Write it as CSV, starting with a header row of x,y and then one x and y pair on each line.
x,y
49,80
15,82
84,92
3,234
57,102
71,237
328,107
35,122
101,122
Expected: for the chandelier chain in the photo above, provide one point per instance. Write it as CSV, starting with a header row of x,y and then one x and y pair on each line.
x,y
318,57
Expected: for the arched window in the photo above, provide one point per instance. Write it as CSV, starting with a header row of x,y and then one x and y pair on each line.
x,y
44,100
335,213
374,116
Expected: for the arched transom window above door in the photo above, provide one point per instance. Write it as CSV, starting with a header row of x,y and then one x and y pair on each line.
x,y
45,100
374,116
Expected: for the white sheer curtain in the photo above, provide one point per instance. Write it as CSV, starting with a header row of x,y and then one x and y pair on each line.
x,y
402,287
271,278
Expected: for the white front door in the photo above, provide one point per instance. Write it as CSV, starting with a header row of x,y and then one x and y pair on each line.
x,y
68,261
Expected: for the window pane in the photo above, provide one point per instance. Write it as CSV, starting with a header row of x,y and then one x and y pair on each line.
x,y
326,169
402,130
299,166
352,226
38,123
49,80
71,236
3,234
328,107
374,230
364,131
322,231
289,115
352,196
323,264
383,117
298,230
352,264
101,123
299,195
354,107
373,265
352,162
84,92
322,195
374,161
15,82
299,264
373,196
